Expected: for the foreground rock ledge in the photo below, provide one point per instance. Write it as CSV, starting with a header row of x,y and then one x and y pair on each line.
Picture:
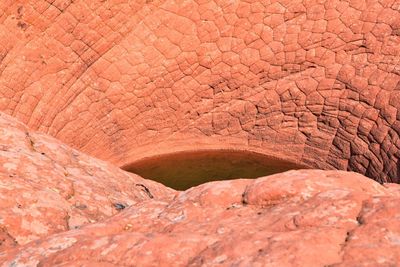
x,y
60,207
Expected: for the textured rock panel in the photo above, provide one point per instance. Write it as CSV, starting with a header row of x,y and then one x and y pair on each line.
x,y
316,82
47,187
60,207
297,218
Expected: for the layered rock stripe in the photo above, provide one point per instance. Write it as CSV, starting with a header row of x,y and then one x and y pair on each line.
x,y
314,82
64,202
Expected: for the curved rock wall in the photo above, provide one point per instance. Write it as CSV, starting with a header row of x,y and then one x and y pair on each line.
x,y
60,207
315,82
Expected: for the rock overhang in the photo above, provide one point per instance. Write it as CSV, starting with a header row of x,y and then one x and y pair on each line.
x,y
314,83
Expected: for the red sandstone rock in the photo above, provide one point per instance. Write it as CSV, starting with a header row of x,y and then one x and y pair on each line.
x,y
47,187
316,82
296,218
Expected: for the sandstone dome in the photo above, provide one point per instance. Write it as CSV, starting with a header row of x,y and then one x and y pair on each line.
x,y
89,87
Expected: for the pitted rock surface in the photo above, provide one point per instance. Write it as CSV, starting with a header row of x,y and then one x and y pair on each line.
x,y
316,82
47,187
65,203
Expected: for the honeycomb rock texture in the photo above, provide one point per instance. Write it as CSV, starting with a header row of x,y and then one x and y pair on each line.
x,y
80,211
315,82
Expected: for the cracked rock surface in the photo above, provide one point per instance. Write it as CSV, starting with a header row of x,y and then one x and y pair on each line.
x,y
47,187
313,82
60,207
316,82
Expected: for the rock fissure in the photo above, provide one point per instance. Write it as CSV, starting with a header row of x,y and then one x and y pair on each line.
x,y
6,239
146,190
350,232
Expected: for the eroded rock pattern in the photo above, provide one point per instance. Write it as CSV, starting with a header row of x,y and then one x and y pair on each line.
x,y
312,81
47,187
79,211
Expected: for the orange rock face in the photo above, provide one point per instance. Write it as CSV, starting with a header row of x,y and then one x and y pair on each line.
x,y
315,82
47,187
79,211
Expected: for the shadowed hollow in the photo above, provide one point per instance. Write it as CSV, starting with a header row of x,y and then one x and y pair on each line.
x,y
186,169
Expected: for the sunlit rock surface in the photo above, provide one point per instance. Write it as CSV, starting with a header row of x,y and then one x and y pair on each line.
x,y
80,211
315,82
47,187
